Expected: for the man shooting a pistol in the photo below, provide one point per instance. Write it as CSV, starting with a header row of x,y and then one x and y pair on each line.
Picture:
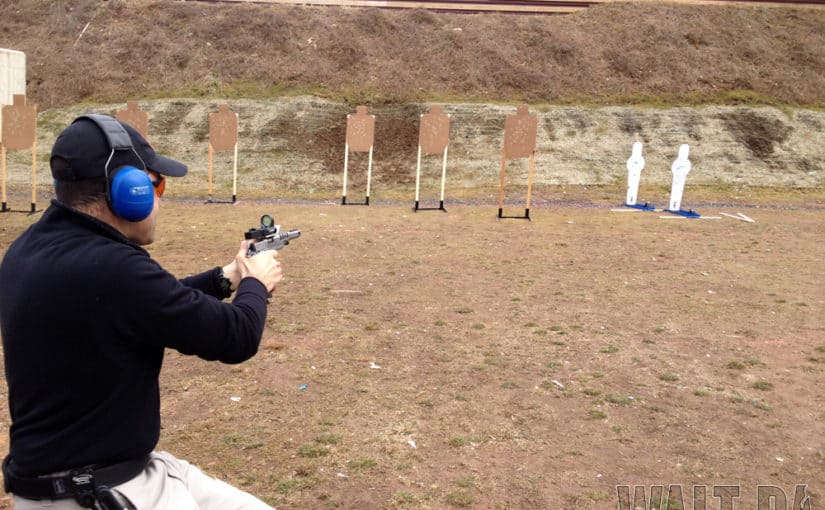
x,y
86,314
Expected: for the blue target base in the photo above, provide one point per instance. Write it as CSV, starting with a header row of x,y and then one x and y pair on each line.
x,y
642,207
690,213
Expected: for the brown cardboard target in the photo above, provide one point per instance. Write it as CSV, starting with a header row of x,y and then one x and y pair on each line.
x,y
223,129
360,130
135,117
520,133
434,134
19,124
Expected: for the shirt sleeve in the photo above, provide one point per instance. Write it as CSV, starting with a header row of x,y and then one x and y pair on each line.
x,y
159,309
207,282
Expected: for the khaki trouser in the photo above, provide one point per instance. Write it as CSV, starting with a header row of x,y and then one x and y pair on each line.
x,y
166,483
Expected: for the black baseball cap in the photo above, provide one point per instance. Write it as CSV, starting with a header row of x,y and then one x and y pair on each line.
x,y
86,150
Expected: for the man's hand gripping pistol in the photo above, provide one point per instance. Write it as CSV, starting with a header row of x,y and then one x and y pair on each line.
x,y
268,236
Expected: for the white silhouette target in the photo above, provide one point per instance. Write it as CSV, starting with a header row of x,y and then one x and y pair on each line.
x,y
680,169
635,165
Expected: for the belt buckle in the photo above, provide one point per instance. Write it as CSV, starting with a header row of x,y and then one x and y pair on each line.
x,y
83,481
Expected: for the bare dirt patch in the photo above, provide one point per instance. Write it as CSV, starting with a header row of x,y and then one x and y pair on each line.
x,y
757,133
526,365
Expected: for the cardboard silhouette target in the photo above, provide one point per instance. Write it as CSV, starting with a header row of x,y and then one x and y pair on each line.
x,y
360,137
135,117
433,139
19,132
223,136
12,77
520,132
635,165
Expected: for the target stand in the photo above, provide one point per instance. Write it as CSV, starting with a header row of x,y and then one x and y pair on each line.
x,y
18,129
433,139
526,216
417,207
223,136
360,137
635,165
520,132
680,169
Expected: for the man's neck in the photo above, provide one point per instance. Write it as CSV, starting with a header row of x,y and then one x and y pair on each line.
x,y
101,212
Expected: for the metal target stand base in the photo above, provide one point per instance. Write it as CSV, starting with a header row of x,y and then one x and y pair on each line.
x,y
211,200
5,208
526,216
440,207
344,201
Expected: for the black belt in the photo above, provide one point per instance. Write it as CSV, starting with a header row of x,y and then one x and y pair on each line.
x,y
75,484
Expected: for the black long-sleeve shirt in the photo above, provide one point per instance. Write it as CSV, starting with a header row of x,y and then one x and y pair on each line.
x,y
85,315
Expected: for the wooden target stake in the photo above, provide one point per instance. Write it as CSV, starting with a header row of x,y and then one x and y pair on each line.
x,y
443,178
433,139
3,207
369,176
346,165
34,176
19,128
519,142
529,184
209,170
501,183
235,174
360,137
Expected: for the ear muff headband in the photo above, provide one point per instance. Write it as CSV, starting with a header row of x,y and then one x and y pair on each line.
x,y
129,189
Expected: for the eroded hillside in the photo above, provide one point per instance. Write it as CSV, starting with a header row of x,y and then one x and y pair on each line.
x,y
91,50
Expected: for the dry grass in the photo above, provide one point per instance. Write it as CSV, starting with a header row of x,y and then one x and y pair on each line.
x,y
607,54
526,365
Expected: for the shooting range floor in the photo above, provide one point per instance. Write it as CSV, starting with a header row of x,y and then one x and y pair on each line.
x,y
448,360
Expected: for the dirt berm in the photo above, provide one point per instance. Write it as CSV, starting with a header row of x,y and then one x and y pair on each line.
x,y
294,147
743,86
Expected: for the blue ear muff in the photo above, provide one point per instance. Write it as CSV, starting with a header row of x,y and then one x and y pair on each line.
x,y
131,194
